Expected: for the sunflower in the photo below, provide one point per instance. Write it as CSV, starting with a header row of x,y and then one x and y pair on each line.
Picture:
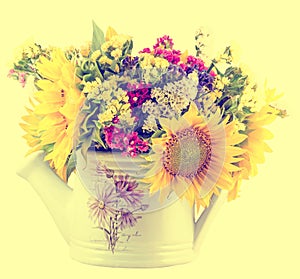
x,y
50,124
255,145
195,158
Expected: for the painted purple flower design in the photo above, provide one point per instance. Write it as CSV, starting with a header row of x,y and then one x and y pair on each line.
x,y
126,188
114,205
102,206
127,220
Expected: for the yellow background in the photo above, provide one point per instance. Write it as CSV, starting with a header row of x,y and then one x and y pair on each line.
x,y
256,236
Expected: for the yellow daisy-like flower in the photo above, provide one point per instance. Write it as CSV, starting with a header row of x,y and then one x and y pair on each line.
x,y
255,145
195,157
52,120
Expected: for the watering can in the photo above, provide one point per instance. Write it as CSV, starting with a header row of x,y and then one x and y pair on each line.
x,y
161,236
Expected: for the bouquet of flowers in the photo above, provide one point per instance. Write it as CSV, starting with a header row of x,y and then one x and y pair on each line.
x,y
199,126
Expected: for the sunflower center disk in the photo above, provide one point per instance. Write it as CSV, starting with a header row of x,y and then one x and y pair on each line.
x,y
187,153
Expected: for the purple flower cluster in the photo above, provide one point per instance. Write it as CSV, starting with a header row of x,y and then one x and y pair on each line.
x,y
130,62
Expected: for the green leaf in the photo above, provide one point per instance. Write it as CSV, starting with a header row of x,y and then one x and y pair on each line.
x,y
71,165
158,134
113,65
97,138
79,72
88,77
98,38
85,146
48,148
247,110
127,48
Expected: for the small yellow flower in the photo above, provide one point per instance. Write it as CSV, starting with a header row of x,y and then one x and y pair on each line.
x,y
124,108
89,86
119,40
105,46
105,60
115,103
123,97
220,83
217,93
147,60
225,80
117,53
106,116
161,62
95,55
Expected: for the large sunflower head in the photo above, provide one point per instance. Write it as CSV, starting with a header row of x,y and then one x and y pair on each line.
x,y
195,157
50,123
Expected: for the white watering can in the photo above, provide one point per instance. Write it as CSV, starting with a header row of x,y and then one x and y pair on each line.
x,y
163,236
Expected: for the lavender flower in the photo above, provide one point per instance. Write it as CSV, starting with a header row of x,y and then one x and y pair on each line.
x,y
101,206
127,220
129,61
205,79
126,189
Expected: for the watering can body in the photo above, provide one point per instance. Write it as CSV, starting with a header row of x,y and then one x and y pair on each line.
x,y
162,236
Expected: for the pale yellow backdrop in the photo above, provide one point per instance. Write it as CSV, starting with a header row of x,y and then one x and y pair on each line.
x,y
256,236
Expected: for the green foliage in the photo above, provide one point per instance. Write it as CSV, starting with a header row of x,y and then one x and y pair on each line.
x,y
89,128
71,164
98,38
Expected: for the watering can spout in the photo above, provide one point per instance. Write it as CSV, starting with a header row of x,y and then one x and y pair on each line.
x,y
52,190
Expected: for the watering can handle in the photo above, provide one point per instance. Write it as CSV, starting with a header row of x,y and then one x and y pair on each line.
x,y
203,223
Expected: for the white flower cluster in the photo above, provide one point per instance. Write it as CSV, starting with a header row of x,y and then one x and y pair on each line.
x,y
169,101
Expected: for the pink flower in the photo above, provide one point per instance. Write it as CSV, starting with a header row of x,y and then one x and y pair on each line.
x,y
212,73
136,145
129,143
114,137
195,63
145,50
138,94
115,120
172,55
183,66
10,73
22,78
164,42
158,51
